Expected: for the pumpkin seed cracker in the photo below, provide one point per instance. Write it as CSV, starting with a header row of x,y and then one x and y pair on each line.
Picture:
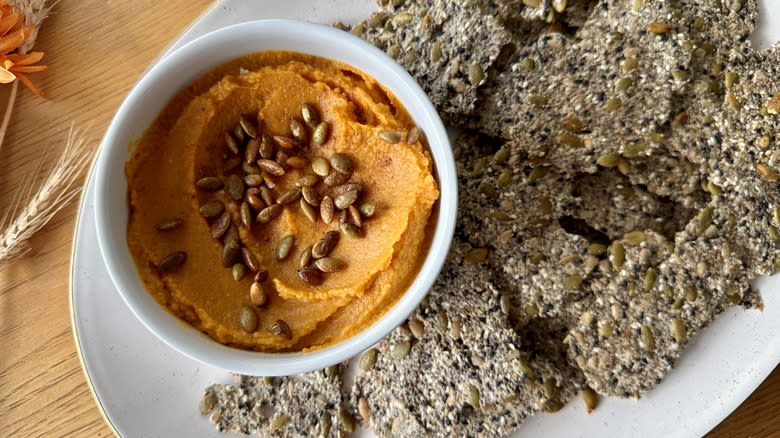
x,y
448,46
297,405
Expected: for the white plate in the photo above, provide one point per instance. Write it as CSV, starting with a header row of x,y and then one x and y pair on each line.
x,y
145,389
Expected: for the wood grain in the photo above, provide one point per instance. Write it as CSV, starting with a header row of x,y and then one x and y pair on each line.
x,y
96,50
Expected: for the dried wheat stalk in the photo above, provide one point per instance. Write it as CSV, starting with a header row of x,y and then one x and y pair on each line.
x,y
30,210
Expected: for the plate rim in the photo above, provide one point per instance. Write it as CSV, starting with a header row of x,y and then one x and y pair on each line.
x,y
732,405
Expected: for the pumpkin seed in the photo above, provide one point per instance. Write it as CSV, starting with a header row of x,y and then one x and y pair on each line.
x,y
320,166
389,135
436,51
271,167
658,28
505,178
208,403
336,179
634,237
285,142
310,115
278,422
297,162
617,255
231,236
348,187
326,209
320,134
606,329
172,262
250,260
311,276
351,231
266,195
299,131
570,140
442,321
363,409
767,172
774,235
231,143
329,264
169,224
246,215
220,226
255,203
537,173
281,328
212,208
248,127
647,340
367,209
393,51
400,350
230,253
650,277
704,219
732,100
346,421
613,104
368,359
473,396
269,213
341,163
634,149
266,148
538,99
345,200
289,196
248,319
677,327
307,181
234,186
253,180
308,211
252,150
476,256
573,124
261,276
354,214
209,183
630,64
623,84
413,135
680,75
572,282
590,399
476,73
550,387
325,245
284,246
730,79
417,328
250,169
526,369
257,294
238,271
608,160
305,258
596,249
678,303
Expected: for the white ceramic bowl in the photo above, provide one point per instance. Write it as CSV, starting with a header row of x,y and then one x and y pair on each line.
x,y
150,96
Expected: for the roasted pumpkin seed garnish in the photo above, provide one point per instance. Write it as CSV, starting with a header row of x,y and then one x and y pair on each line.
x,y
172,262
209,183
281,328
248,319
389,135
169,224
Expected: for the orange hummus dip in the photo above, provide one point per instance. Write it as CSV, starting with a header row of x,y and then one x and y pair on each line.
x,y
188,209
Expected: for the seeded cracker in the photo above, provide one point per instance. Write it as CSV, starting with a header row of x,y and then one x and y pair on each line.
x,y
277,407
504,195
584,80
630,207
448,46
467,343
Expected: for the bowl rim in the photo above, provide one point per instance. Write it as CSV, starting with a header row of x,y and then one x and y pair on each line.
x,y
112,148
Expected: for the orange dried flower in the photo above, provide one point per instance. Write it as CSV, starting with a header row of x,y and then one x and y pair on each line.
x,y
13,34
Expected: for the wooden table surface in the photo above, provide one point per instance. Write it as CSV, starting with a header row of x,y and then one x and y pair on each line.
x,y
96,50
